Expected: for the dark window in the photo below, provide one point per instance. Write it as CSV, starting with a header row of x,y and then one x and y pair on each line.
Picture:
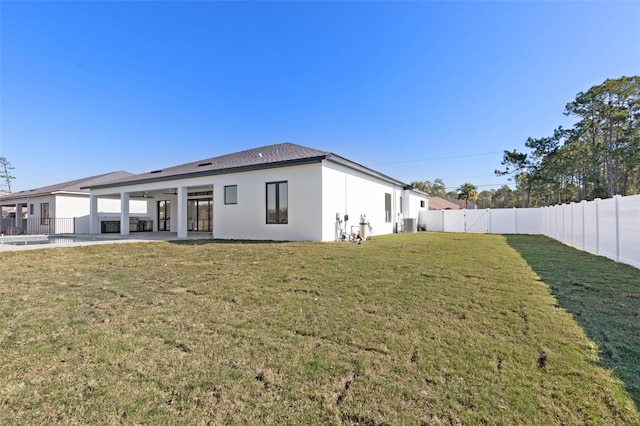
x,y
31,209
44,214
200,193
400,204
277,202
231,194
387,207
422,203
164,215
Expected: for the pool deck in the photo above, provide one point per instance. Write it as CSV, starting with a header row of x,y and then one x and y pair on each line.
x,y
137,237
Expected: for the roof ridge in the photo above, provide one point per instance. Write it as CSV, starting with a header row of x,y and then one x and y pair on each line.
x,y
262,149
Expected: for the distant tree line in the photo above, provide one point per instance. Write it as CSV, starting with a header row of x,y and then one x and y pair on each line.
x,y
503,197
598,158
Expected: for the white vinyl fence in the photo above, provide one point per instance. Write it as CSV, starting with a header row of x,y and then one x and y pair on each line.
x,y
492,221
609,228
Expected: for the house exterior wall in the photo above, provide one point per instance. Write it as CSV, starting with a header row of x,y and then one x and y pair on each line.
x,y
33,223
247,218
67,206
37,203
347,191
415,205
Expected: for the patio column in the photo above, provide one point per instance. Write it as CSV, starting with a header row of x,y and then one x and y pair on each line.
x,y
124,213
18,217
94,226
212,210
182,212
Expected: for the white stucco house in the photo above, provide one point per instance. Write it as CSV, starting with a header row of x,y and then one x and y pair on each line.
x,y
62,208
276,192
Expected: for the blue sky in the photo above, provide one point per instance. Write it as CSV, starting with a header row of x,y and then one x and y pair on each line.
x,y
416,90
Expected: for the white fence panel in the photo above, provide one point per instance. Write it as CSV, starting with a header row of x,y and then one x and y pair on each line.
x,y
552,226
557,231
629,230
453,220
502,221
528,221
567,225
577,220
591,227
607,230
433,220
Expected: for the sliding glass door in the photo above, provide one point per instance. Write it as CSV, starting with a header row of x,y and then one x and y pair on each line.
x,y
199,215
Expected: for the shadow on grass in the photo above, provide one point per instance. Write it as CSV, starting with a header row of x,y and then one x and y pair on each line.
x,y
603,297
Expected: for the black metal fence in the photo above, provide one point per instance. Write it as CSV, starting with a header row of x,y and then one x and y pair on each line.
x,y
34,226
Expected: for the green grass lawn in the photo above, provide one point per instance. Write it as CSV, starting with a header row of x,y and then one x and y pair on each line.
x,y
403,329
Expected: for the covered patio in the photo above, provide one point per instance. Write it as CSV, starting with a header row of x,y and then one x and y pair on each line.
x,y
178,211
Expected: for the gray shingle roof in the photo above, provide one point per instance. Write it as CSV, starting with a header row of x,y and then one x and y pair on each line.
x,y
257,158
74,186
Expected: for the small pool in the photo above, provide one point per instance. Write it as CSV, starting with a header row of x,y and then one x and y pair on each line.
x,y
28,240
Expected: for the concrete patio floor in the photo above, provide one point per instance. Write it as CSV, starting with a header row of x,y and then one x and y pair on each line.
x,y
134,237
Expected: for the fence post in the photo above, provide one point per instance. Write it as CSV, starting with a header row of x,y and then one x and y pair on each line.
x,y
616,200
442,221
515,221
573,234
488,221
597,201
464,220
584,228
564,225
560,219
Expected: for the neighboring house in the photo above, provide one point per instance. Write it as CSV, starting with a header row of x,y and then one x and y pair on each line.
x,y
61,208
437,203
7,212
276,192
470,205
